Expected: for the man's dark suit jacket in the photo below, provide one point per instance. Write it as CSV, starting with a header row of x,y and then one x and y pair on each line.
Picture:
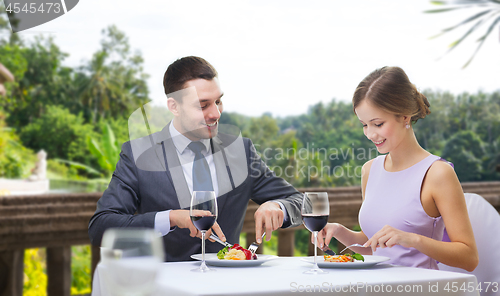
x,y
149,178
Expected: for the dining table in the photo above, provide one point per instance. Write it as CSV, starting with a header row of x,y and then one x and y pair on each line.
x,y
285,276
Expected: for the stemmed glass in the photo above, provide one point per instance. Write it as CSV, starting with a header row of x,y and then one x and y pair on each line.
x,y
315,212
203,212
131,260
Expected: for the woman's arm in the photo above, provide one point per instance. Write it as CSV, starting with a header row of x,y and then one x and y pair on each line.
x,y
449,199
443,186
340,232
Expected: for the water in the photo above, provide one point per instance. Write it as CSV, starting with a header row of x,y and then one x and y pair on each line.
x,y
131,276
71,186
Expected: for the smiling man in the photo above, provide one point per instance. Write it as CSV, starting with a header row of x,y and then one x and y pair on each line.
x,y
152,187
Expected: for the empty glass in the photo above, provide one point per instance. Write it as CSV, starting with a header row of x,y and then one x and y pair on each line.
x,y
131,259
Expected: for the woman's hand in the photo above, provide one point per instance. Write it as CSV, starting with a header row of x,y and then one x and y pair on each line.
x,y
326,234
388,236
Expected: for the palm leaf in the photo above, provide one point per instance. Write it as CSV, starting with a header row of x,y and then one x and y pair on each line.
x,y
79,166
457,42
110,145
481,18
482,39
489,30
94,147
470,19
96,150
444,9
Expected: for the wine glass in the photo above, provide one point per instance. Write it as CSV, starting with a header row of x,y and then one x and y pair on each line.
x,y
131,260
203,212
315,211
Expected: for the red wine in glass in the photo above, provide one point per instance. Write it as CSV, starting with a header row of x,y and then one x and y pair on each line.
x,y
315,211
204,223
314,222
203,213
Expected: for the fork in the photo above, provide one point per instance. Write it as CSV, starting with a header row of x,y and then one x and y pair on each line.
x,y
254,246
353,245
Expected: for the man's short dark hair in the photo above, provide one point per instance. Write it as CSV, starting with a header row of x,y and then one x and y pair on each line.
x,y
185,69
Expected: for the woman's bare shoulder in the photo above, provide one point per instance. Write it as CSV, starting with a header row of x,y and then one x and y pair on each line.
x,y
365,170
441,171
443,182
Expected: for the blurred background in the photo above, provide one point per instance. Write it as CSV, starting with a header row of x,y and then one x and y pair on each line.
x,y
288,70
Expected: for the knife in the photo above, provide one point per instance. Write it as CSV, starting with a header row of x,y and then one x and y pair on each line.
x,y
217,239
328,251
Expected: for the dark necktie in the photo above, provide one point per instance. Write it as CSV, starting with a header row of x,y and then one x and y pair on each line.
x,y
202,179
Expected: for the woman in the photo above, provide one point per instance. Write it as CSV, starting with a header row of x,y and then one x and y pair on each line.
x,y
409,195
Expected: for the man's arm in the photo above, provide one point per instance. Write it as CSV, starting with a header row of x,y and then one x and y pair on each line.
x,y
119,203
268,187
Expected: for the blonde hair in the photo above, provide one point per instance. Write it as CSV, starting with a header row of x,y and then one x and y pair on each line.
x,y
389,89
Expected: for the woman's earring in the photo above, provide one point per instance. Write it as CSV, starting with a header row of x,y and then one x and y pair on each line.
x,y
407,125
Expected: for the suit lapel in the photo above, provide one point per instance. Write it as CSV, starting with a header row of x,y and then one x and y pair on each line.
x,y
158,138
223,180
174,170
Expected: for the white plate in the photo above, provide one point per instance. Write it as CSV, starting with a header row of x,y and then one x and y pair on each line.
x,y
211,259
370,261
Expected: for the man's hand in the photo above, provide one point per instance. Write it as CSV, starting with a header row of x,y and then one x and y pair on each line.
x,y
269,216
181,219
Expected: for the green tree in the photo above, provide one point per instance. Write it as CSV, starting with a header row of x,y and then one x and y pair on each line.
x,y
277,149
16,160
262,130
12,57
235,119
113,83
465,150
41,80
5,29
433,131
336,143
476,113
61,134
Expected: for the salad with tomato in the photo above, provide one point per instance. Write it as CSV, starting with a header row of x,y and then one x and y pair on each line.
x,y
344,258
236,252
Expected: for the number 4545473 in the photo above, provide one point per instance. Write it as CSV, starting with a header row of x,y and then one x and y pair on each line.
x,y
33,8
470,287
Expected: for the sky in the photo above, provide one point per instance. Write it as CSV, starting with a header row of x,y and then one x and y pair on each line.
x,y
281,57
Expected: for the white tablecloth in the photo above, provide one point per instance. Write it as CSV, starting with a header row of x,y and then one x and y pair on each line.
x,y
284,276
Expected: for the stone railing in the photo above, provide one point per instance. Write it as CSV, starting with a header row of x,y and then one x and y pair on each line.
x,y
58,221
52,221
